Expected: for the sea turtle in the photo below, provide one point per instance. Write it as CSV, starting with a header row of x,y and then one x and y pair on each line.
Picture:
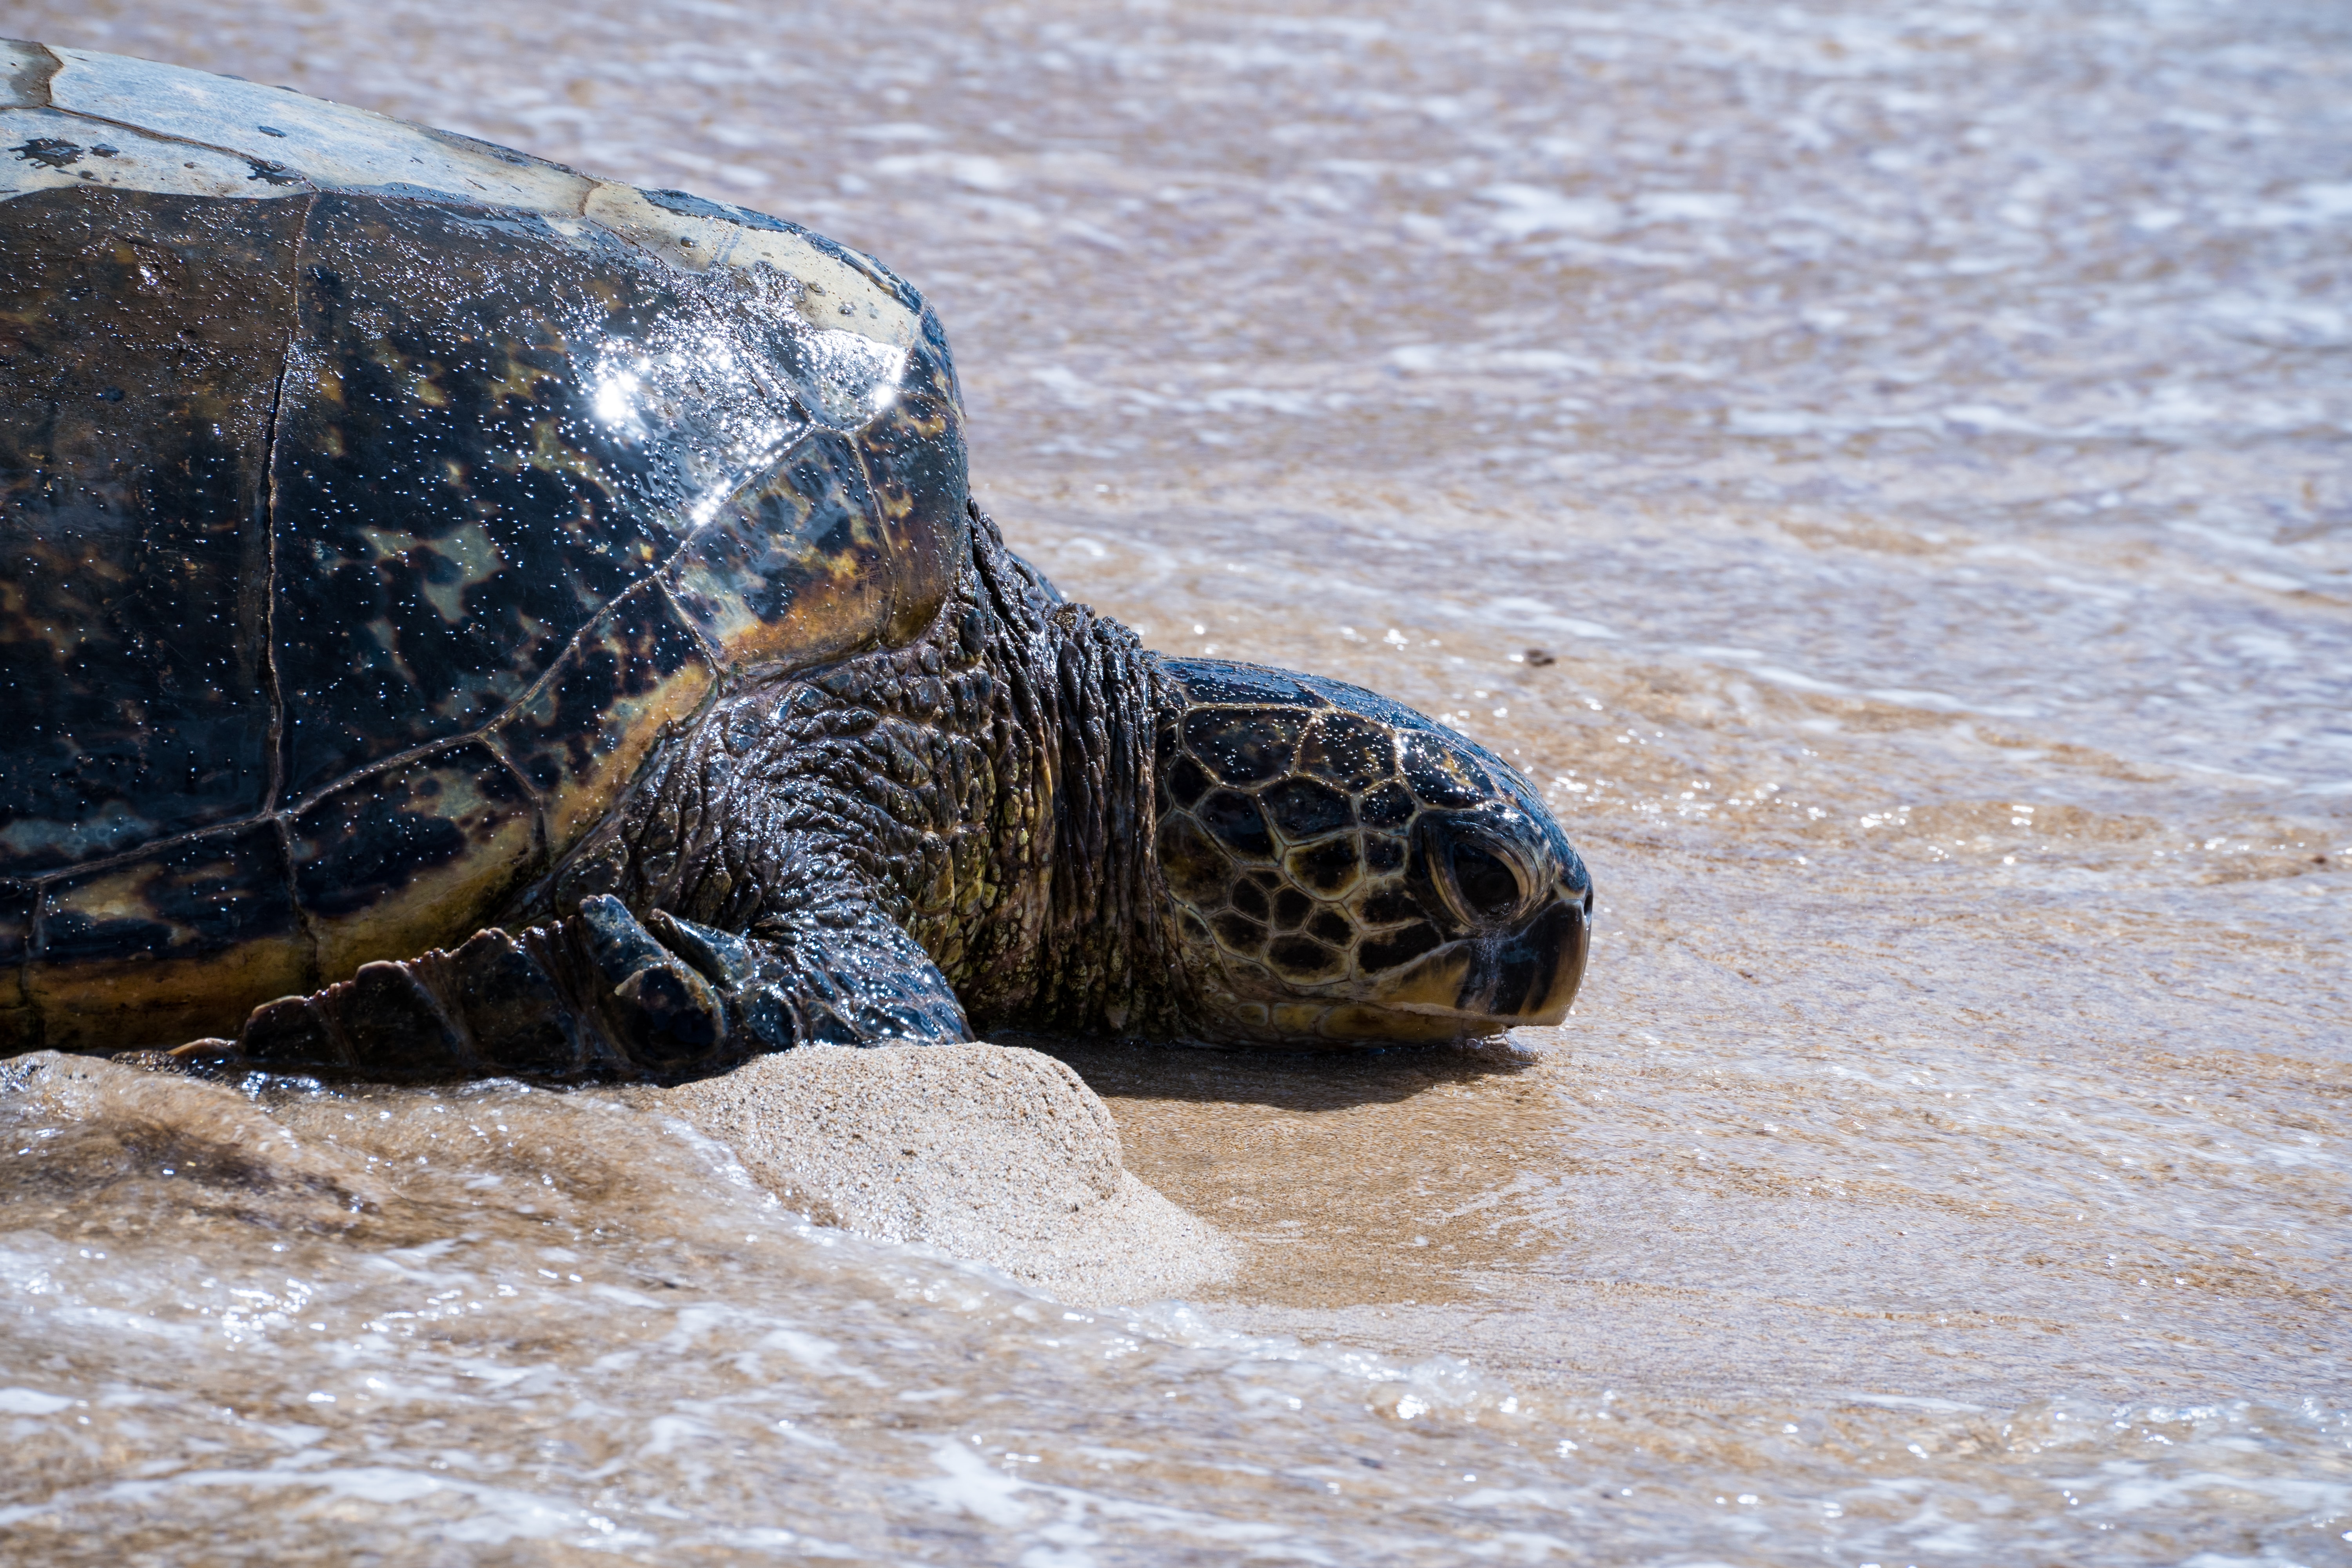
x,y
527,624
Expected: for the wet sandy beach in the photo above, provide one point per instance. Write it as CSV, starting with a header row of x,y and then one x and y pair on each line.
x,y
1880,469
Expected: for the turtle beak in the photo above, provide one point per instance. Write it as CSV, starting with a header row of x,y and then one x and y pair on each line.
x,y
1530,976
1522,977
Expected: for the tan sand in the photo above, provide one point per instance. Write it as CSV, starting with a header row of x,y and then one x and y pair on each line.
x,y
993,1154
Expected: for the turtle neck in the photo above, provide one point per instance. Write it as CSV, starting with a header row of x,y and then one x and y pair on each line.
x,y
1090,695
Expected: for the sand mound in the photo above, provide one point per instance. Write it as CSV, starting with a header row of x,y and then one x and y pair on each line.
x,y
990,1152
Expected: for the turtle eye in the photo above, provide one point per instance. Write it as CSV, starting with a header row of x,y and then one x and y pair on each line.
x,y
1486,885
1480,877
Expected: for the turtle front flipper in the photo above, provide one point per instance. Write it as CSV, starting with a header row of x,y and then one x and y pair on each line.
x,y
603,994
844,976
841,974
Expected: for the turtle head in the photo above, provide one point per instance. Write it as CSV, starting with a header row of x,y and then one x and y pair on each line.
x,y
1342,871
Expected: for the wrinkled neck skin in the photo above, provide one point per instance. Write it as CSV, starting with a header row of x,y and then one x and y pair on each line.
x,y
989,788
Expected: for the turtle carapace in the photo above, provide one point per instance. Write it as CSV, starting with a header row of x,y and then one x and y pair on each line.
x,y
460,616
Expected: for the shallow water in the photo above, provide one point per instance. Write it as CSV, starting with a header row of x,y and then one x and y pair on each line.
x,y
1913,437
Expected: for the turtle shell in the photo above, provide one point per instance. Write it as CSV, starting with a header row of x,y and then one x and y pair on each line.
x,y
371,499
